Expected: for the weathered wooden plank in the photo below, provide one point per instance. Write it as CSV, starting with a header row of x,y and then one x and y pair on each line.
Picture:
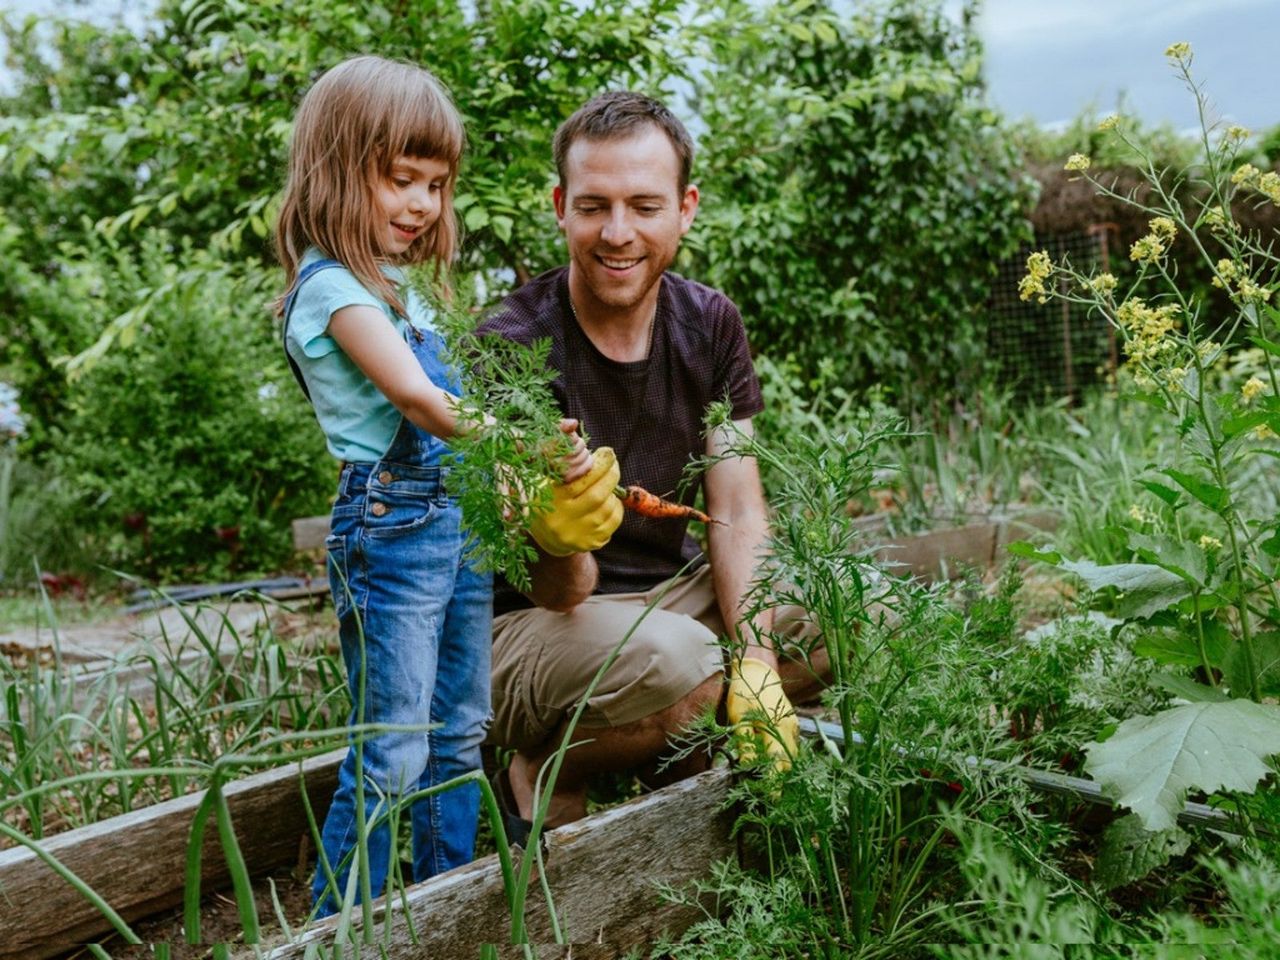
x,y
136,861
114,639
309,532
169,639
941,553
1022,527
602,873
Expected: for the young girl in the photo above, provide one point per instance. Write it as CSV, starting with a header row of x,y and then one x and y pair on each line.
x,y
372,166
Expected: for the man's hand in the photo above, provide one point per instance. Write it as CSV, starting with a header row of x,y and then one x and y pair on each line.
x,y
759,710
584,513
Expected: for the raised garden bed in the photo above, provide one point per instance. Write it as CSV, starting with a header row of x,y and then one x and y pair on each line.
x,y
136,861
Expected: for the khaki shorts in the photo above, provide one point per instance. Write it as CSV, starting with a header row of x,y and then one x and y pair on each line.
x,y
544,661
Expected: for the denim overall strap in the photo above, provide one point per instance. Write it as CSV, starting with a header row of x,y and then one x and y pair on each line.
x,y
314,267
413,445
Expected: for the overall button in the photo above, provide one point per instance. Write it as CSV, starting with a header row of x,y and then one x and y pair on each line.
x,y
378,508
385,477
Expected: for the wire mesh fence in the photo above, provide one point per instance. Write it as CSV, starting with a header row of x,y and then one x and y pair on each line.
x,y
1050,351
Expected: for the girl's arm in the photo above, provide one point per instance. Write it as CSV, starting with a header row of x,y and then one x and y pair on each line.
x,y
374,345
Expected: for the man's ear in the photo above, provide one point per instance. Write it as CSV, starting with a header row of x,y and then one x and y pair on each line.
x,y
688,208
557,199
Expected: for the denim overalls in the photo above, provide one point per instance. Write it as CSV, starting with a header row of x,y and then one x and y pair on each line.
x,y
423,618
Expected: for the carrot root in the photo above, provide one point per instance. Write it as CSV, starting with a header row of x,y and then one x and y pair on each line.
x,y
639,500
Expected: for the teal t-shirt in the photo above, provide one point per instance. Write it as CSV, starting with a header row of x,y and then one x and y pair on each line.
x,y
359,423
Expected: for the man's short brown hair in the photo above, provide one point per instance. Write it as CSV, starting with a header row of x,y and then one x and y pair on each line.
x,y
618,114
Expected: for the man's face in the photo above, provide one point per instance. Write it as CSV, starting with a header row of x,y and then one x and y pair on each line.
x,y
623,215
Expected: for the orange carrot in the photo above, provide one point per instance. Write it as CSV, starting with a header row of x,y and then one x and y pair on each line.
x,y
647,504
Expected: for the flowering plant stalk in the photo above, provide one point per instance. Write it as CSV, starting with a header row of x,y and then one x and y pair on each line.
x,y
1202,592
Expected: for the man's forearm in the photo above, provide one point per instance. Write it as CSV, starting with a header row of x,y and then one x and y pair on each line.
x,y
735,497
735,552
561,583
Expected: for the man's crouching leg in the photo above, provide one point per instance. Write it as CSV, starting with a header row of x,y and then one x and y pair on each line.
x,y
667,673
640,745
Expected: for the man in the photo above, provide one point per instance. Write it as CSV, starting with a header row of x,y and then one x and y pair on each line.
x,y
641,354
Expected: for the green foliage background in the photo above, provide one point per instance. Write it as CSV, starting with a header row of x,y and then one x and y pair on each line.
x,y
838,154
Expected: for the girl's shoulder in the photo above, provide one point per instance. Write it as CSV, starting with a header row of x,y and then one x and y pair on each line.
x,y
326,285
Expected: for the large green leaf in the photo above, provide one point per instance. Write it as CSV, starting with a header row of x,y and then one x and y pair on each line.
x,y
1188,689
1130,851
1171,497
1178,556
1182,646
1266,659
1211,495
1144,588
1150,763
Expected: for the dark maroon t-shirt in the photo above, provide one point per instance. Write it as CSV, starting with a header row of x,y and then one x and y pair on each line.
x,y
649,411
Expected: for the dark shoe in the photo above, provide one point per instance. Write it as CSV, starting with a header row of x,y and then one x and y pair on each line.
x,y
517,827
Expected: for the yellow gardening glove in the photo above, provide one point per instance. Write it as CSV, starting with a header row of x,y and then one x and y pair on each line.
x,y
583,513
758,708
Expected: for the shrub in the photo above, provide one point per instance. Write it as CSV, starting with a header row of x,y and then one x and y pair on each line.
x,y
859,195
190,447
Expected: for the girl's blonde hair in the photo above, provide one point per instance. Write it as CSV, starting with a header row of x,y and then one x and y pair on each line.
x,y
352,125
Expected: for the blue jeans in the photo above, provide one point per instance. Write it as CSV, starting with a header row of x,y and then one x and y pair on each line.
x,y
415,623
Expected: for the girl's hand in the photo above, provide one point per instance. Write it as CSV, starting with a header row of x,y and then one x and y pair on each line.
x,y
578,463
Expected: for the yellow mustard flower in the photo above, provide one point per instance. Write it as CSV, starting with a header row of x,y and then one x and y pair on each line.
x,y
1207,350
1215,218
1210,543
1144,382
1237,132
1245,173
1039,269
1147,328
1250,292
1269,185
1077,163
1264,432
1252,389
1137,513
1178,51
1102,284
1164,228
1148,249
1109,123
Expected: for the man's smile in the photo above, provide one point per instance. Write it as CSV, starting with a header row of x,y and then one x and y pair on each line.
x,y
619,263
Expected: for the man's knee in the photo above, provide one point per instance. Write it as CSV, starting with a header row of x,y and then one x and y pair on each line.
x,y
700,701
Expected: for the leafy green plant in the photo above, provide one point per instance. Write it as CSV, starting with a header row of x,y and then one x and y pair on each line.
x,y
852,840
32,509
1012,911
846,151
76,755
190,448
1201,590
501,473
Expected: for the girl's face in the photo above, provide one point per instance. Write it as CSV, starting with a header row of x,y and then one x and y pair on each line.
x,y
409,201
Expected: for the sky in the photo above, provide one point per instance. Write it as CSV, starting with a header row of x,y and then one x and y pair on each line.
x,y
1050,60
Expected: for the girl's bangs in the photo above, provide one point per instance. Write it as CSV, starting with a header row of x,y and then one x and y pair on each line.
x,y
431,128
